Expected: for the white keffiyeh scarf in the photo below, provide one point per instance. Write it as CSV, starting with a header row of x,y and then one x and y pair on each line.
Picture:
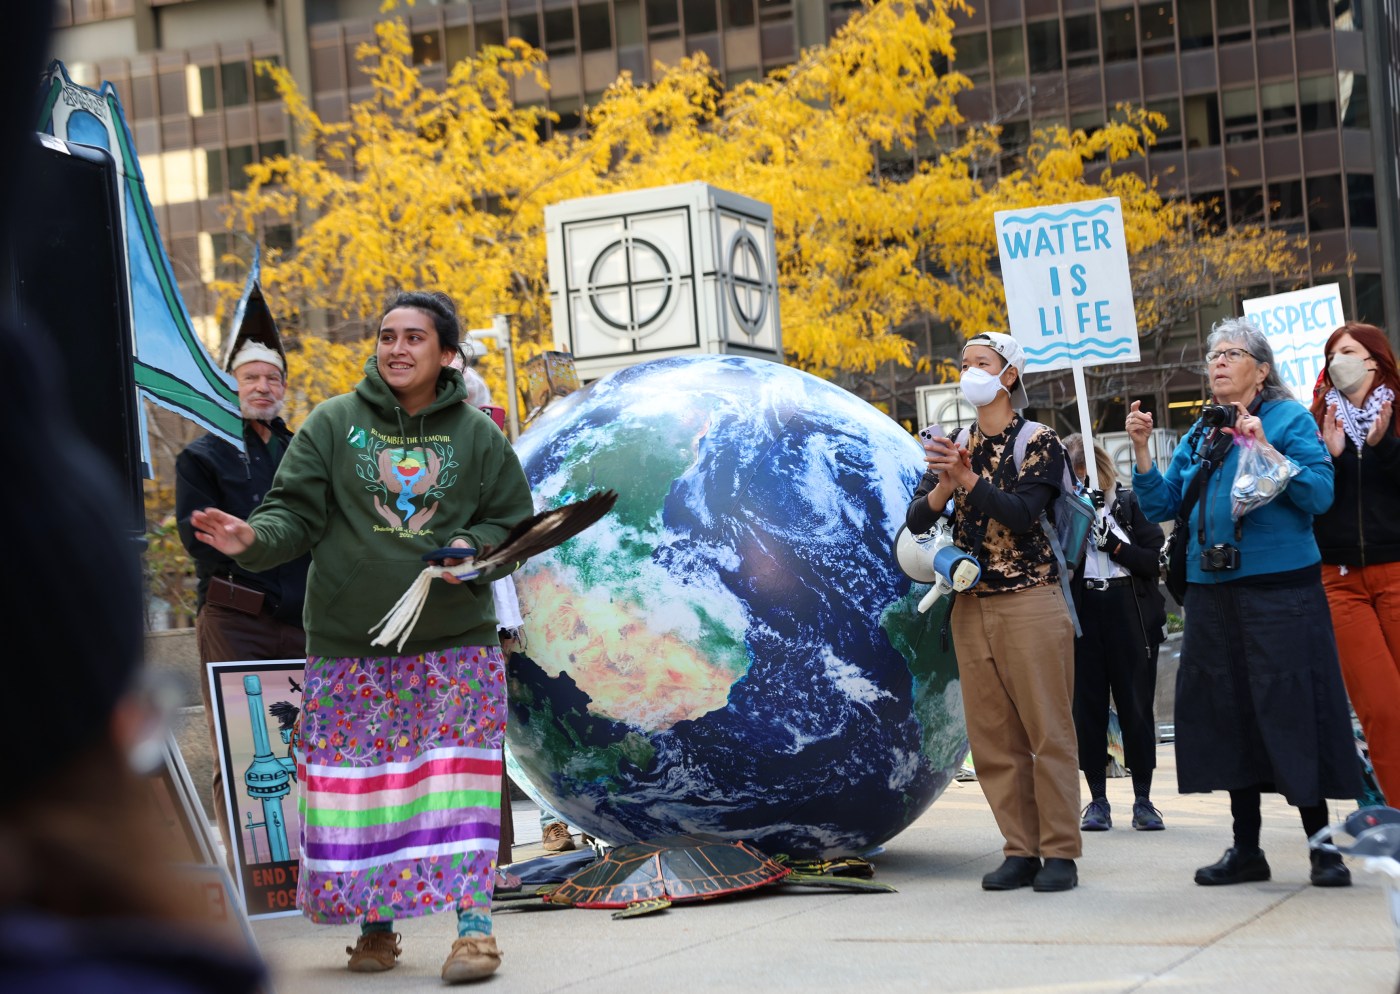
x,y
1357,421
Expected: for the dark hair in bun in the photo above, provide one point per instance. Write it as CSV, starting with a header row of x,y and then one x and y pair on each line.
x,y
435,304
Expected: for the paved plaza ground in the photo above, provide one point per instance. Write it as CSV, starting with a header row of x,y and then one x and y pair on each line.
x,y
1137,922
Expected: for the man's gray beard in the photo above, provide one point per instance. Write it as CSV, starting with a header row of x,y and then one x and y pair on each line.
x,y
269,417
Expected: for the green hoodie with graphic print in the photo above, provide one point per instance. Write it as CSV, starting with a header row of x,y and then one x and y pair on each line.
x,y
368,488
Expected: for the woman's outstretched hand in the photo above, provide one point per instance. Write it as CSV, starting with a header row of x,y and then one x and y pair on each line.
x,y
229,534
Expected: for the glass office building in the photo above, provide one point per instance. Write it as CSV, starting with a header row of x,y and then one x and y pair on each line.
x,y
1285,112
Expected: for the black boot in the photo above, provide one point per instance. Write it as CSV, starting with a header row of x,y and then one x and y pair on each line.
x,y
1016,871
1328,870
1237,866
1058,874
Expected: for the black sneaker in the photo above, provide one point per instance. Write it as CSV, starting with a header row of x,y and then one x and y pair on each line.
x,y
1235,867
1057,874
1328,870
1097,816
1015,872
1146,818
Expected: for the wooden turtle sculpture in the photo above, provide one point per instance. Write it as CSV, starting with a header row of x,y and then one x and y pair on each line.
x,y
643,877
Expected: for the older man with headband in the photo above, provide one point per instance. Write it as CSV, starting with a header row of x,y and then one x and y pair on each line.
x,y
242,615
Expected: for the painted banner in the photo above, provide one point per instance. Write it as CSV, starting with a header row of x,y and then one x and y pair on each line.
x,y
1298,325
256,705
173,369
1069,294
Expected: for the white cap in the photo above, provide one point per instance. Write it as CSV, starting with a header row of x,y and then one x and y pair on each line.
x,y
252,351
1010,350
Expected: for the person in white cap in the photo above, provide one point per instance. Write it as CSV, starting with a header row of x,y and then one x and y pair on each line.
x,y
1012,633
242,615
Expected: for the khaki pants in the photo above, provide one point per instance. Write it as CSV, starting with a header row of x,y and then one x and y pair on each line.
x,y
1016,665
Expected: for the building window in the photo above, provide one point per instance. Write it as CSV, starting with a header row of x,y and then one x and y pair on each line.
x,y
1202,121
1008,53
1325,209
1354,99
1271,17
1361,199
1195,25
1043,41
1278,108
233,78
1119,35
1317,103
1241,114
559,32
1169,138
214,169
1232,21
1309,14
701,17
489,33
264,89
1246,205
739,14
278,238
970,55
1210,206
1370,301
594,28
526,27
1157,28
427,48
1286,208
1082,41
663,18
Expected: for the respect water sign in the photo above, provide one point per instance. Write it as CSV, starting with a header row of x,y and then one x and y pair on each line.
x,y
1298,325
1069,295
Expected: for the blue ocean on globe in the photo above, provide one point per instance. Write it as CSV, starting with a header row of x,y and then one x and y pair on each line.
x,y
732,650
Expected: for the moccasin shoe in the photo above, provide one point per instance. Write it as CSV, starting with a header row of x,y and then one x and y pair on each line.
x,y
1237,866
1057,874
1328,870
1014,872
472,958
556,837
375,952
1146,818
1097,816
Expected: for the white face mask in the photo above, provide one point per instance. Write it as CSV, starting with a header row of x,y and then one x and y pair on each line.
x,y
980,387
1347,371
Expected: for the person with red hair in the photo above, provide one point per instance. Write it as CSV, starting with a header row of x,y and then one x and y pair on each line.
x,y
1360,535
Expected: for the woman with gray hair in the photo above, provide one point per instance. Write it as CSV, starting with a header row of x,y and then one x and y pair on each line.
x,y
1259,698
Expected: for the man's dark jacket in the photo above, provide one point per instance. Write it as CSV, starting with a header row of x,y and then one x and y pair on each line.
x,y
212,473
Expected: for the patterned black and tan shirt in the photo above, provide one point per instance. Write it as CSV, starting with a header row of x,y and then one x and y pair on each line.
x,y
1003,509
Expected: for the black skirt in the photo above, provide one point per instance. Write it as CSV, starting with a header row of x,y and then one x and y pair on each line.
x,y
1259,694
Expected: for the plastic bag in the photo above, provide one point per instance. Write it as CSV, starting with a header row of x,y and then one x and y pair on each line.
x,y
1262,474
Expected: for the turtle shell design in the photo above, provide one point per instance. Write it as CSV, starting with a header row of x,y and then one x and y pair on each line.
x,y
673,869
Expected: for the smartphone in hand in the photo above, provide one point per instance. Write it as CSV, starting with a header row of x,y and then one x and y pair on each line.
x,y
929,432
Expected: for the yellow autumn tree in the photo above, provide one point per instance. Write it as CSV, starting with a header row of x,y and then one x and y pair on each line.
x,y
446,188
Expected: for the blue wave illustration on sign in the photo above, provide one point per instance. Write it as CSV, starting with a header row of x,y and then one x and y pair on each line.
x,y
1071,212
1079,350
173,368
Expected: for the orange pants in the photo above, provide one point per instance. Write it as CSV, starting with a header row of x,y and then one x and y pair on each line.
x,y
1365,603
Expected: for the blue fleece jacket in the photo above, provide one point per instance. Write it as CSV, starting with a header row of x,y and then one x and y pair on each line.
x,y
1275,538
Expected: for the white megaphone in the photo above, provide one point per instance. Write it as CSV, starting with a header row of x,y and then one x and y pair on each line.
x,y
933,558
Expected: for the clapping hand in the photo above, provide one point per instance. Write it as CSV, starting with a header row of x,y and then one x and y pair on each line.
x,y
1333,435
1381,425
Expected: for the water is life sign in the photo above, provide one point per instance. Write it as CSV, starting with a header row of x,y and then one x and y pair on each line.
x,y
1069,295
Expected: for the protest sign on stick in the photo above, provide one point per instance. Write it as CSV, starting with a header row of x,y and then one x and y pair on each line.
x,y
1297,325
1069,294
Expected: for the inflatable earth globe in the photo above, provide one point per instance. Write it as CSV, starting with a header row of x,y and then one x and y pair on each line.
x,y
732,650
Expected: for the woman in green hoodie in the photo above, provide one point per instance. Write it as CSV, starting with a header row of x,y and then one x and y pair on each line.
x,y
402,753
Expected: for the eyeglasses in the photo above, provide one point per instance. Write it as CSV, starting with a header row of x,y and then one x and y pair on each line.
x,y
1231,356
